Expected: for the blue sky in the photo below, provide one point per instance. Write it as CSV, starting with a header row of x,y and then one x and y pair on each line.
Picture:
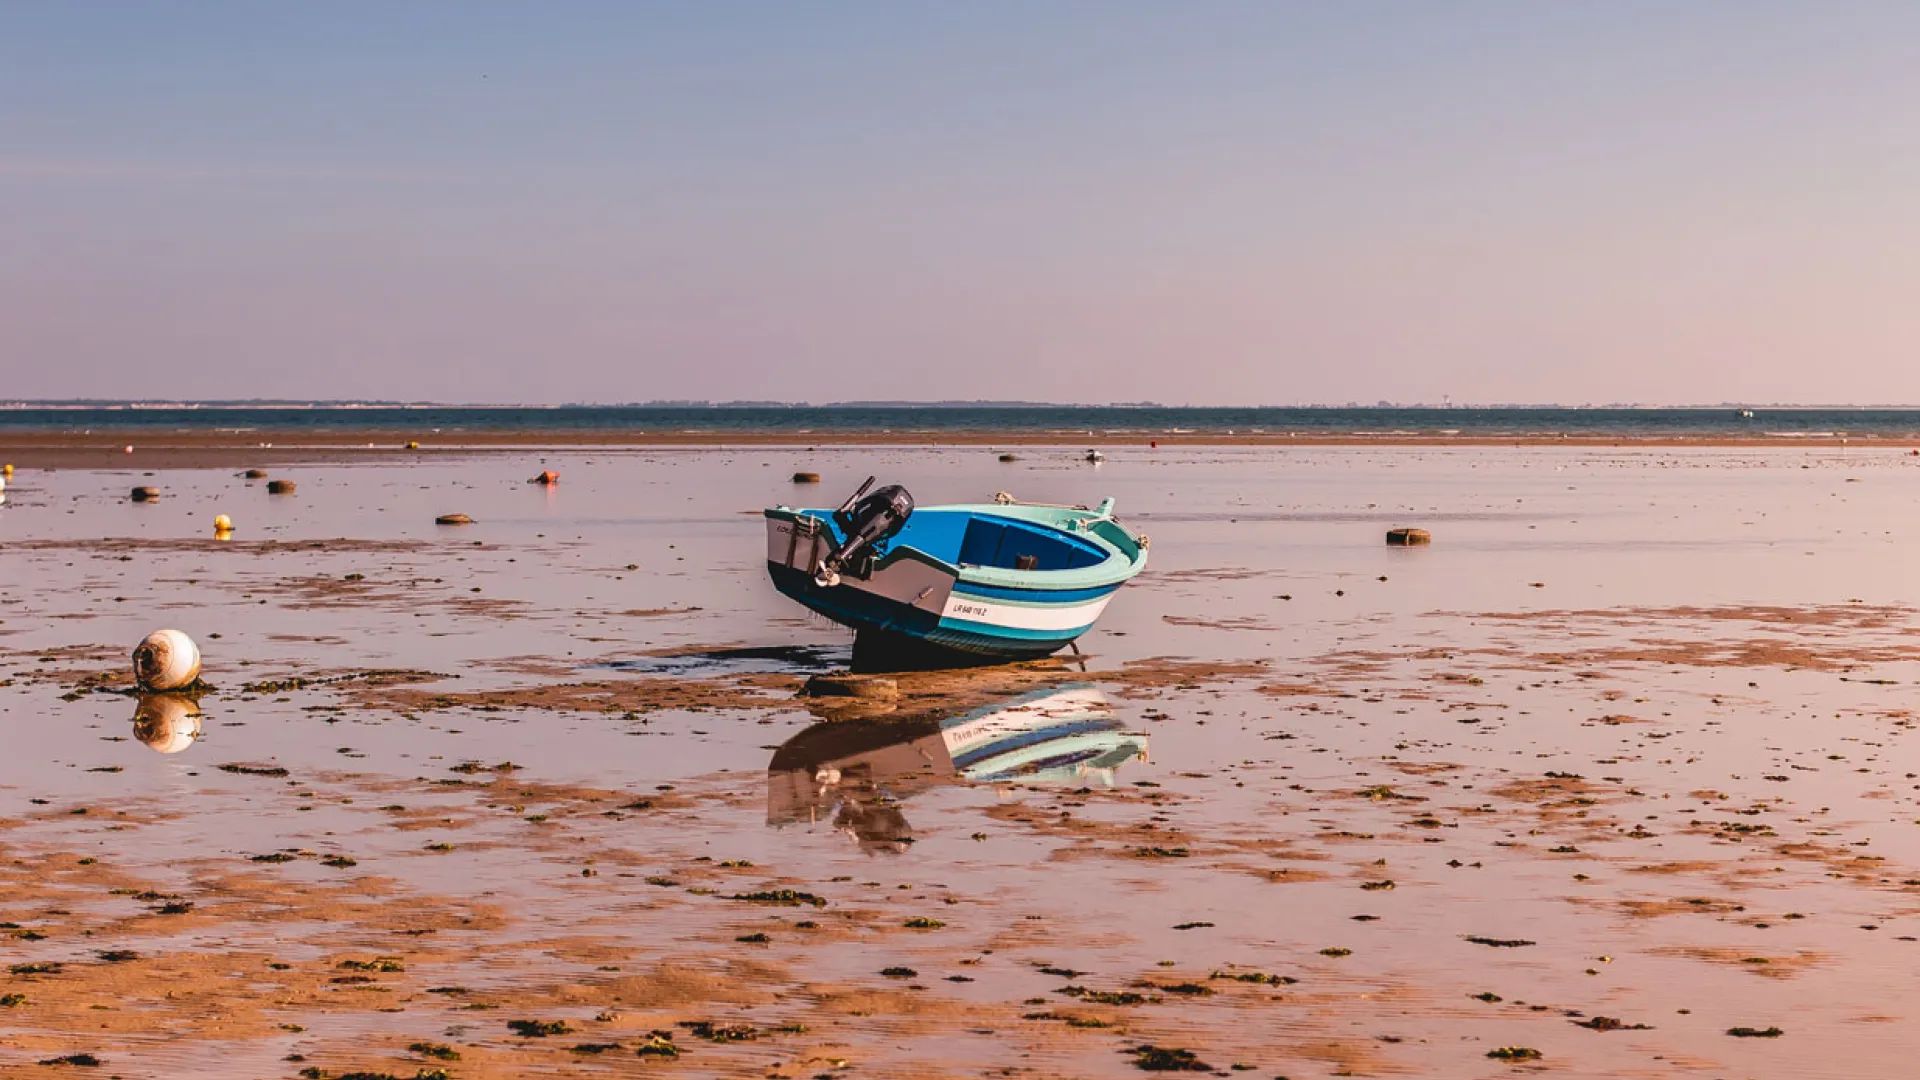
x,y
1211,203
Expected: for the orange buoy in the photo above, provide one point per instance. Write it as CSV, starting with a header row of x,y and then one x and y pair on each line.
x,y
547,477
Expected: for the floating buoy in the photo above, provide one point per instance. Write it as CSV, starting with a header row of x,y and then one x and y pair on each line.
x,y
806,478
6,471
145,494
222,525
255,474
413,446
129,448
167,723
1408,537
166,660
453,519
279,487
1153,444
1009,457
1096,456
547,477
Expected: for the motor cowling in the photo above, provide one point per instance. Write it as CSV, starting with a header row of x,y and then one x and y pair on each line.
x,y
865,523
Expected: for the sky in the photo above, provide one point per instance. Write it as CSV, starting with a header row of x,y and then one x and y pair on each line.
x,y
1222,202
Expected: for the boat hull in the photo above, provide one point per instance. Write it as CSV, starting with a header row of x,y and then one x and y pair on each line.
x,y
894,635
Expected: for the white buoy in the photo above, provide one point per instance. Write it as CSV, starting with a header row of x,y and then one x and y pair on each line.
x,y
168,723
166,660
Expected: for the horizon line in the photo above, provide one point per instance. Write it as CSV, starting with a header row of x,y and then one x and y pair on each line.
x,y
76,403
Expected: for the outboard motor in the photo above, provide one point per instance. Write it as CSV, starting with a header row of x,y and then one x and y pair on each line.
x,y
866,523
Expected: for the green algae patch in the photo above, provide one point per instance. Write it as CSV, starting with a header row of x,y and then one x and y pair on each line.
x,y
1259,977
538,1029
658,1044
1151,1058
720,1033
783,897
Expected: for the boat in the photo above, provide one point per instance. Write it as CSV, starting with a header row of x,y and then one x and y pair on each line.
x,y
952,586
854,774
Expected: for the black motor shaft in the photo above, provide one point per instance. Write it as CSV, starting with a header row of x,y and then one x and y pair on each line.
x,y
866,522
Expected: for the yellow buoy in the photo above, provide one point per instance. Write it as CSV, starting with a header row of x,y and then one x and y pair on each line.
x,y
6,471
222,525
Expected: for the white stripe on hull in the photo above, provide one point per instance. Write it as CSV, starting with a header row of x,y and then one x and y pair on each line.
x,y
979,609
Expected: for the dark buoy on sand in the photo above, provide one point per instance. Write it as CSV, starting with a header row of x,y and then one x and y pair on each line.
x,y
279,487
145,494
806,478
1408,537
1009,457
453,519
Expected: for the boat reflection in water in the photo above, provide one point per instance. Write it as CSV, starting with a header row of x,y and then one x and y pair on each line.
x,y
855,773
168,723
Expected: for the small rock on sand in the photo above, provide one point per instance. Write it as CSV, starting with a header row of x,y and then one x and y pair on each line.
x,y
806,478
279,487
255,474
1408,537
869,687
453,519
145,494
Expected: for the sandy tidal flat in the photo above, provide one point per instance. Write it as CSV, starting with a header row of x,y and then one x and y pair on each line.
x,y
1612,780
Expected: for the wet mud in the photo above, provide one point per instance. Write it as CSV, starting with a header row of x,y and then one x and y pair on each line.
x,y
1652,817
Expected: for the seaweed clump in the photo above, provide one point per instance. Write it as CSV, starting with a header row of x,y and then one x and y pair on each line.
x,y
783,897
1151,1058
538,1029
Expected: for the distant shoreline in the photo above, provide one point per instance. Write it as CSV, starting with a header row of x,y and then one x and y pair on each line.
x,y
155,449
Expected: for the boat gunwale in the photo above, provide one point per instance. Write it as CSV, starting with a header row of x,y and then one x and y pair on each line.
x,y
1115,570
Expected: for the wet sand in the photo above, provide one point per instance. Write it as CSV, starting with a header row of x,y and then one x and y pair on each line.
x,y
1609,781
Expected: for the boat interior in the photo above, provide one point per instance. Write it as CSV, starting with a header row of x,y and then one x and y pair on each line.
x,y
966,538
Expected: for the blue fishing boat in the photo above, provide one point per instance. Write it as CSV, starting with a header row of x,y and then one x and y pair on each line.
x,y
949,586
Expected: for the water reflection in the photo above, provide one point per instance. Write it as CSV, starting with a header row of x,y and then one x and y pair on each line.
x,y
855,773
168,723
706,663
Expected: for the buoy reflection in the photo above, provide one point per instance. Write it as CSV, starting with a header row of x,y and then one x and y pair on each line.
x,y
167,723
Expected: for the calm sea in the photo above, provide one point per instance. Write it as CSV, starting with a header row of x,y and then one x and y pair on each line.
x,y
1065,420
